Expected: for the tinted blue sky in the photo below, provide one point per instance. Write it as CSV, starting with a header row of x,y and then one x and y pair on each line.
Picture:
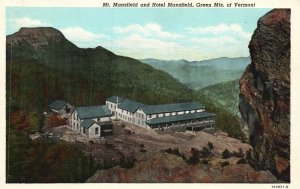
x,y
174,33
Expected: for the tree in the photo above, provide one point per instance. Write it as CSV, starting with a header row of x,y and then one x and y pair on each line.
x,y
210,145
226,154
34,121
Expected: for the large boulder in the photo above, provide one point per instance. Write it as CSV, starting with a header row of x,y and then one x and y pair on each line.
x,y
265,94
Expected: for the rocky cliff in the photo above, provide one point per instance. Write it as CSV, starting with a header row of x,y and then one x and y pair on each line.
x,y
265,94
35,36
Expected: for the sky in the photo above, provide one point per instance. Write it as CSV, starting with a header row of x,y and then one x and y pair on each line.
x,y
163,33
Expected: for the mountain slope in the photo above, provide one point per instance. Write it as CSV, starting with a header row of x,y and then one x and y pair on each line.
x,y
43,64
199,74
226,94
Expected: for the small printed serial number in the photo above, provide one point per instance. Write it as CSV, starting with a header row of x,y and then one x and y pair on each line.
x,y
280,186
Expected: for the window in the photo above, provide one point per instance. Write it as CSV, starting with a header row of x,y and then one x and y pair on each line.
x,y
150,116
96,130
83,130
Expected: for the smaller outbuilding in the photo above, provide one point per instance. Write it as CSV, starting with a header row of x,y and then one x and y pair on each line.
x,y
61,107
91,128
92,121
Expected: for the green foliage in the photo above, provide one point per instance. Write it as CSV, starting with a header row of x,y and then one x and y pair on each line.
x,y
248,154
16,154
225,120
106,164
142,148
226,154
225,163
127,162
210,145
41,162
241,161
225,93
239,154
35,121
193,160
176,152
204,161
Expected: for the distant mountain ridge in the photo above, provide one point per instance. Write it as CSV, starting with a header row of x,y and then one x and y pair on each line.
x,y
199,74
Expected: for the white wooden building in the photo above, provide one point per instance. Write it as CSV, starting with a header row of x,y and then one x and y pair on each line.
x,y
92,121
189,115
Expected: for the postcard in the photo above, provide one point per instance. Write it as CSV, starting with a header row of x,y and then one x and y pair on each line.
x,y
144,92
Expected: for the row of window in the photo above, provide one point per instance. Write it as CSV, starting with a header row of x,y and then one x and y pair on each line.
x,y
173,113
186,122
131,120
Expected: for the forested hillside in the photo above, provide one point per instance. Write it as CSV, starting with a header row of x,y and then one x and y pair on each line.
x,y
226,94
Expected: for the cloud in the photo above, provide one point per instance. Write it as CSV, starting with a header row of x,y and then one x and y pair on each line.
x,y
232,29
218,46
149,30
221,41
82,37
138,46
151,41
138,41
16,23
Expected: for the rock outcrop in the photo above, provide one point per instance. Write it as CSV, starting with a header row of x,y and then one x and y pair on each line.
x,y
168,168
265,94
35,36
